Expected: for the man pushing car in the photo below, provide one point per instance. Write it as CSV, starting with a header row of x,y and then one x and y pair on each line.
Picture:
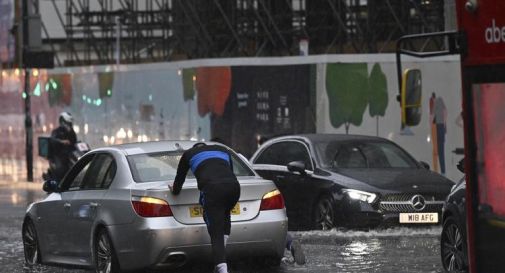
x,y
219,192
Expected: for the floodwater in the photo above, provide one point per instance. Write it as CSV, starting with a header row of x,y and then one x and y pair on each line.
x,y
402,250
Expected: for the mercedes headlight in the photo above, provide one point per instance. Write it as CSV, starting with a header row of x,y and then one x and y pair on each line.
x,y
360,195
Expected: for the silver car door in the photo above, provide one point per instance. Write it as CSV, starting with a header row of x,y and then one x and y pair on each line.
x,y
49,215
86,204
57,214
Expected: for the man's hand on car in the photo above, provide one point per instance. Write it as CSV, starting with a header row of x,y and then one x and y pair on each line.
x,y
171,187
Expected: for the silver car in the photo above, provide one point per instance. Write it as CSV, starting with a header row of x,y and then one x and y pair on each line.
x,y
113,211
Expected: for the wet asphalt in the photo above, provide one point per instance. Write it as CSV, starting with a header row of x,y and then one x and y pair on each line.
x,y
402,250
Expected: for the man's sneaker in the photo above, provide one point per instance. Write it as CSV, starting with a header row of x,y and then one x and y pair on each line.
x,y
221,268
297,252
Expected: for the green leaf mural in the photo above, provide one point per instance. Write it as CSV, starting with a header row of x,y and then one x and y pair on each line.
x,y
105,84
59,87
188,83
377,92
347,89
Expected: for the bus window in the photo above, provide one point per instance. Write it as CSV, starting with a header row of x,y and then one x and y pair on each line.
x,y
489,99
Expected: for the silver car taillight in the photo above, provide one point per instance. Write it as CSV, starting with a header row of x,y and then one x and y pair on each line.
x,y
151,207
272,200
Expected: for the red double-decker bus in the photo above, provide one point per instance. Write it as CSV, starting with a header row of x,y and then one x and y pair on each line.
x,y
482,25
480,42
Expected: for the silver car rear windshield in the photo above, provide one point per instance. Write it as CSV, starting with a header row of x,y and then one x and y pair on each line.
x,y
162,166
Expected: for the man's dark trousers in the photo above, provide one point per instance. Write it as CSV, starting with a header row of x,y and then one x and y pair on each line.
x,y
218,199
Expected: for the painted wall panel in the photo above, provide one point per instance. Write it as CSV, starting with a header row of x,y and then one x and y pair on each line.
x,y
441,78
236,100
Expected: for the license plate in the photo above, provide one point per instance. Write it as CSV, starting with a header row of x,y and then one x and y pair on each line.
x,y
430,217
197,211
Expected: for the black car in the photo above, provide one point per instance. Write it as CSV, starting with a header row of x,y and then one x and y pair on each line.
x,y
488,235
453,246
330,180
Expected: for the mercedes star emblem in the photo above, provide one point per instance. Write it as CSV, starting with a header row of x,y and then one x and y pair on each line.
x,y
418,202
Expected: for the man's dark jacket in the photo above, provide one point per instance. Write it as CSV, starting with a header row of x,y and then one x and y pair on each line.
x,y
211,164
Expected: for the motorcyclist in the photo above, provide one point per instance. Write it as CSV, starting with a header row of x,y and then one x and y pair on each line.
x,y
63,140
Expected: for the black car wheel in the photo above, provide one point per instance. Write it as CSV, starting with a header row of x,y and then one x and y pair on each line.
x,y
105,257
324,216
453,246
30,243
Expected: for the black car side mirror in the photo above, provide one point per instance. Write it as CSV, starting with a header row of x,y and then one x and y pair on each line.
x,y
297,166
50,186
425,165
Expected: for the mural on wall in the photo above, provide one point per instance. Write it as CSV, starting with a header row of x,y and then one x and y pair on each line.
x,y
265,101
213,85
350,90
438,125
59,87
109,107
188,83
105,84
144,105
377,94
237,104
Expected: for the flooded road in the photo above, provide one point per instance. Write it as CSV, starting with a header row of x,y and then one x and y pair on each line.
x,y
402,250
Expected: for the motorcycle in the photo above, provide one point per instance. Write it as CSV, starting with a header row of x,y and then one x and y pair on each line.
x,y
59,166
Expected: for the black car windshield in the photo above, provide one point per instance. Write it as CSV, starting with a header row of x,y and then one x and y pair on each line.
x,y
370,154
162,166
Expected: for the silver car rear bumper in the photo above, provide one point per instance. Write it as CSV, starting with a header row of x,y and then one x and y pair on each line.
x,y
164,242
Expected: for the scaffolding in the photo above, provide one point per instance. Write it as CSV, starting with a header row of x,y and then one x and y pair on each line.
x,y
136,31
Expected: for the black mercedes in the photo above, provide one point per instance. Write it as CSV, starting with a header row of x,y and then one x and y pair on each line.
x,y
333,180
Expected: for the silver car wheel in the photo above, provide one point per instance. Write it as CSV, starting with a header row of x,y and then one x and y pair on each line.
x,y
30,243
104,254
452,247
324,214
